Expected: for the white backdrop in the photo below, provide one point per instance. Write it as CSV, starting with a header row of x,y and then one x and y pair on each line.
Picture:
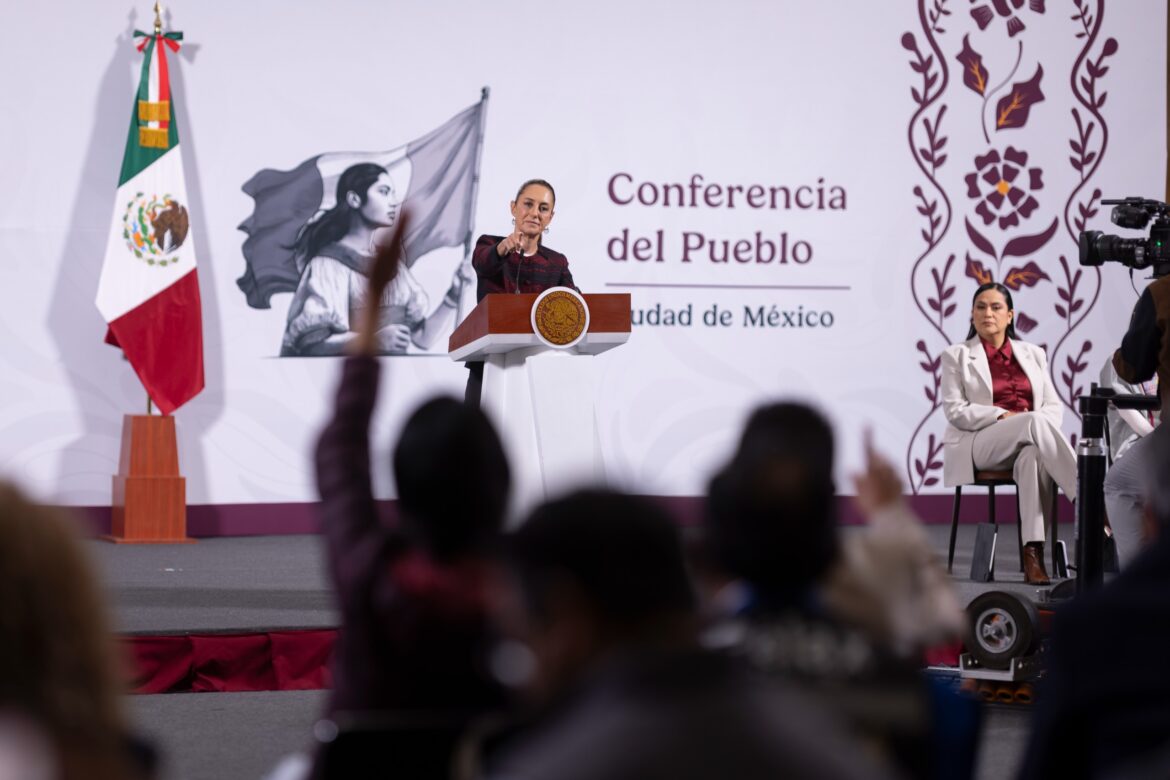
x,y
775,94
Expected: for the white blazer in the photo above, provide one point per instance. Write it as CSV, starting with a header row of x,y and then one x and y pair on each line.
x,y
967,400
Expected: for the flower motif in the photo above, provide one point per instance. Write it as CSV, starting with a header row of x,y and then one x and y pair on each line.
x,y
997,184
983,14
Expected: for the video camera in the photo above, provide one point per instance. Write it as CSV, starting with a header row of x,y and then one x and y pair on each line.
x,y
1137,253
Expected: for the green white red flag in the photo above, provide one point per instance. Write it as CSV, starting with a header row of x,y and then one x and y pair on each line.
x,y
149,290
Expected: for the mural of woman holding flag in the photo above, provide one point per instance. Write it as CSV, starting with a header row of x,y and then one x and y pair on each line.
x,y
314,228
333,253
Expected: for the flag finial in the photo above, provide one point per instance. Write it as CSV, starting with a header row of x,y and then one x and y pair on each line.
x,y
157,19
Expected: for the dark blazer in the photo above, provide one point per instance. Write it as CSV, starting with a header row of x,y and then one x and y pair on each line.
x,y
1105,701
516,273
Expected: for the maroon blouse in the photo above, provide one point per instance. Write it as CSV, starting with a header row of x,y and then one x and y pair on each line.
x,y
1010,388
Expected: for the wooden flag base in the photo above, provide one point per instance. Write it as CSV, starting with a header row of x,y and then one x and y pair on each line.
x,y
149,496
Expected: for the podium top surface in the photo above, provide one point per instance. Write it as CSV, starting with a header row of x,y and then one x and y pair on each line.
x,y
503,321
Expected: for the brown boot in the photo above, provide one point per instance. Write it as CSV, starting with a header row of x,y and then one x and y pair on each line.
x,y
1034,573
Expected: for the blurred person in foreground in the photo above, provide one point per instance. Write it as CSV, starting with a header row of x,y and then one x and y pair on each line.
x,y
842,616
415,599
627,691
1125,428
1103,708
60,695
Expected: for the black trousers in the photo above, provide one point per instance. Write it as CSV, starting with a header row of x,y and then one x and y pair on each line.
x,y
474,383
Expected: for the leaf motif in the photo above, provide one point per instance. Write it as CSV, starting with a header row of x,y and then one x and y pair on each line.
x,y
949,310
1060,311
1024,323
947,293
981,243
914,94
942,158
932,303
1026,245
1012,109
1076,147
975,75
1028,276
976,271
930,481
1077,304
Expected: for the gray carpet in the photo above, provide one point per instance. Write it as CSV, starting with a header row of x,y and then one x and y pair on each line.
x,y
224,584
226,736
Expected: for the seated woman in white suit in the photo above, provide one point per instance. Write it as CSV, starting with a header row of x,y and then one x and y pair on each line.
x,y
1004,413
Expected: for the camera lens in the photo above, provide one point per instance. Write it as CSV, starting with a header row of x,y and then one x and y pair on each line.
x,y
1087,244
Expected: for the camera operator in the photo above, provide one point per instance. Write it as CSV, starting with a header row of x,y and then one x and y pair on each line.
x,y
1145,349
1144,352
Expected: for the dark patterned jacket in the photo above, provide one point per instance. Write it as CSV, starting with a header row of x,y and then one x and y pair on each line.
x,y
1145,349
516,273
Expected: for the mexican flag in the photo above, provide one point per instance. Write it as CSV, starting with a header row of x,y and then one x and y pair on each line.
x,y
149,291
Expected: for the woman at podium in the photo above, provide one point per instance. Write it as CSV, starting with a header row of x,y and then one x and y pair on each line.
x,y
518,262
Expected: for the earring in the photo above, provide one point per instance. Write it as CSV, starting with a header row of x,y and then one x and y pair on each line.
x,y
513,220
546,231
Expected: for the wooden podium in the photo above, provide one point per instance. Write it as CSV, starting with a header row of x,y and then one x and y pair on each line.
x,y
541,398
149,496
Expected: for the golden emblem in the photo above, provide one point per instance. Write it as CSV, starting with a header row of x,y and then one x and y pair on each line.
x,y
560,317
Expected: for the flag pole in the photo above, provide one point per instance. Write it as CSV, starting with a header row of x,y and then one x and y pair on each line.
x,y
157,31
483,99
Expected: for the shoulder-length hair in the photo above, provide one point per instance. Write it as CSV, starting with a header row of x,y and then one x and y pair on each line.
x,y
1007,296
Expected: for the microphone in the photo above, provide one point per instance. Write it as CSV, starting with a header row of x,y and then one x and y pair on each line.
x,y
519,265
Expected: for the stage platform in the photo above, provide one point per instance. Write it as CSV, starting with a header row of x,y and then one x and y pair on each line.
x,y
253,587
279,583
234,614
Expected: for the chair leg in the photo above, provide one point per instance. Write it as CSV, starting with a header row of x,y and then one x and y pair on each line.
x,y
1019,529
1054,530
954,528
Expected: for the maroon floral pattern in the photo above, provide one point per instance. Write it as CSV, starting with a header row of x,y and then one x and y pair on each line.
x,y
1009,214
1004,187
985,13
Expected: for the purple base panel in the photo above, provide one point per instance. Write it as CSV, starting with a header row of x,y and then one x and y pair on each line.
x,y
215,520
